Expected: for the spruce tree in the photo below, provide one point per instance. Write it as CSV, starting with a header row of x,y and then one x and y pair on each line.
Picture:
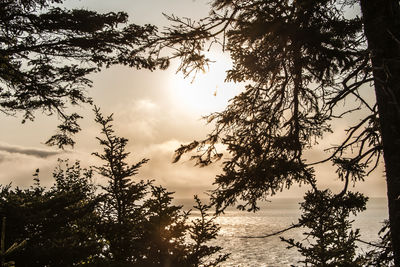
x,y
202,230
127,223
164,231
139,223
382,29
122,215
382,252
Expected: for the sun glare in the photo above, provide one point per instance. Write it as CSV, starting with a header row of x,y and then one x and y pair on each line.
x,y
207,92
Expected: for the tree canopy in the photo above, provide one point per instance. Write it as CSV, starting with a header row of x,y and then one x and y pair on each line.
x,y
301,61
127,222
48,51
297,59
307,64
57,223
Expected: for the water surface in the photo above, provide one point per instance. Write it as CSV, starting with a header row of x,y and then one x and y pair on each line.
x,y
237,226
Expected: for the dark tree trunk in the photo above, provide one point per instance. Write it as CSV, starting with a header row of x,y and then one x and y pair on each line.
x,y
382,29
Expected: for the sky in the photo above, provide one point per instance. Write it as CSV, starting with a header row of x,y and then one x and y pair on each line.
x,y
157,111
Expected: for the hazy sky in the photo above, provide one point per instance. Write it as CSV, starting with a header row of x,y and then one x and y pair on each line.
x,y
157,111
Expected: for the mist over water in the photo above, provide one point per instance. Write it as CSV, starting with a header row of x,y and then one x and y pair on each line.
x,y
238,226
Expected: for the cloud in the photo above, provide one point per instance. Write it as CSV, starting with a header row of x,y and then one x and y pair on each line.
x,y
18,163
18,168
35,152
183,177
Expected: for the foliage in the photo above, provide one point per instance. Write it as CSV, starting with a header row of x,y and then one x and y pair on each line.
x,y
307,65
47,53
329,235
142,229
164,231
382,253
202,230
300,59
74,224
57,223
171,239
122,217
14,247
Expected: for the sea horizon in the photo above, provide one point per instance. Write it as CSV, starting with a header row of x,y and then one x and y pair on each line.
x,y
241,231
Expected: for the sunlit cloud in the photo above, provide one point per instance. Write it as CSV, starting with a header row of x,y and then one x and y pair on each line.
x,y
182,177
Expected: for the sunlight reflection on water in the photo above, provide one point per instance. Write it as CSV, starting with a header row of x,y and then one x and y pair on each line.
x,y
281,213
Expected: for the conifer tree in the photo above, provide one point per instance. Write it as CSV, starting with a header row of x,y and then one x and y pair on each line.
x,y
203,230
382,252
128,224
6,252
301,61
122,215
57,223
332,242
382,29
172,239
47,52
164,231
144,228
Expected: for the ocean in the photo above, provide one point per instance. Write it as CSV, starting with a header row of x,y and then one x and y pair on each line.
x,y
238,226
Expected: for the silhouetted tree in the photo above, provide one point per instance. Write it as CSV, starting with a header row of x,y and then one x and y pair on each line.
x,y
302,60
122,215
293,67
382,29
142,229
164,231
382,253
73,224
202,230
47,53
170,239
6,252
57,223
329,235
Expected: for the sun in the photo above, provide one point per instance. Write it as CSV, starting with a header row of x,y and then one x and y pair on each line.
x,y
207,92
